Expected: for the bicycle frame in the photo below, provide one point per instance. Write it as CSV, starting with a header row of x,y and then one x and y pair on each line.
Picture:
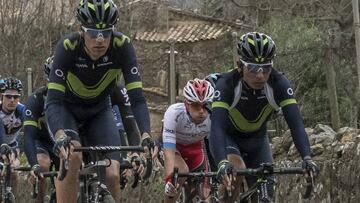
x,y
92,187
5,182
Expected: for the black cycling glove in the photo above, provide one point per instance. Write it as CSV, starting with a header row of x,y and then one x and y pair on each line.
x,y
310,165
61,142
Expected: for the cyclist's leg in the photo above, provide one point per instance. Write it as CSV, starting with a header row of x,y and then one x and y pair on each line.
x,y
44,161
211,160
101,130
45,158
259,153
183,168
67,189
197,160
16,163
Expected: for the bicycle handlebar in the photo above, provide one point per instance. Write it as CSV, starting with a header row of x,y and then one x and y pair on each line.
x,y
247,172
263,171
96,149
107,149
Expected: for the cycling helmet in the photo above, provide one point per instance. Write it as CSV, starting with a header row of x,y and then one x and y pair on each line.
x,y
198,90
212,78
48,65
255,47
10,83
98,14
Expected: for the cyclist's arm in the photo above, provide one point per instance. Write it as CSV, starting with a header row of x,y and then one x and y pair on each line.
x,y
2,132
29,143
120,98
134,86
31,129
220,118
288,104
217,134
169,140
297,128
56,87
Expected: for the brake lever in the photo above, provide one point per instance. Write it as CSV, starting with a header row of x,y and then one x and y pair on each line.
x,y
309,186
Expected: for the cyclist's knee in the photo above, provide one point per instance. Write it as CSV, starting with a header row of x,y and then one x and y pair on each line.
x,y
75,160
236,161
44,161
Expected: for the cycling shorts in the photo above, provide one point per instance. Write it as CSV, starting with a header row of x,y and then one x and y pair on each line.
x,y
193,155
92,126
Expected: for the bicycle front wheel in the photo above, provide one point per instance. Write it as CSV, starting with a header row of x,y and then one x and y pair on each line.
x,y
108,199
10,198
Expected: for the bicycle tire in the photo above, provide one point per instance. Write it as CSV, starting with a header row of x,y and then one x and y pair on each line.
x,y
108,198
10,198
52,198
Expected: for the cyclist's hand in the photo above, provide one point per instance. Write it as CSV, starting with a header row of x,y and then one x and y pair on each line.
x,y
170,189
5,151
310,166
156,154
61,147
34,173
147,142
225,173
137,163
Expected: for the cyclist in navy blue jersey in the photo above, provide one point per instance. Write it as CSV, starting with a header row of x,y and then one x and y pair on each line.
x,y
244,99
87,66
38,142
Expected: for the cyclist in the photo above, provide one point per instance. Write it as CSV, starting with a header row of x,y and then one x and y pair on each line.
x,y
244,99
12,117
38,143
86,67
185,125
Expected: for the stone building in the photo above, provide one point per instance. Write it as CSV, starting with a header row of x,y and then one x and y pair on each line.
x,y
203,45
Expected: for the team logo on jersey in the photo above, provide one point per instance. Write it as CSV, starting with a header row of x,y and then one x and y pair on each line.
x,y
59,73
134,71
28,112
81,59
217,94
169,131
290,91
105,59
81,65
126,96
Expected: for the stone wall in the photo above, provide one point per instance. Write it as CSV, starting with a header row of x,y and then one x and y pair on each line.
x,y
337,154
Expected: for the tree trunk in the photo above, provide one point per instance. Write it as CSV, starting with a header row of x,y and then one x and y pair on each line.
x,y
331,85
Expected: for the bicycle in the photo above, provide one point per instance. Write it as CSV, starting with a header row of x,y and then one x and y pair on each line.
x,y
35,189
7,195
259,188
189,194
92,175
128,164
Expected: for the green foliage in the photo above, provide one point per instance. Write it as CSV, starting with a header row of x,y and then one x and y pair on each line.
x,y
300,55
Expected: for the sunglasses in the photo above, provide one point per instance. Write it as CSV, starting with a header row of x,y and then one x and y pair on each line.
x,y
95,33
257,68
9,96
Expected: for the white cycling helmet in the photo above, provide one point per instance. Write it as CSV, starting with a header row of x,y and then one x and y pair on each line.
x,y
198,90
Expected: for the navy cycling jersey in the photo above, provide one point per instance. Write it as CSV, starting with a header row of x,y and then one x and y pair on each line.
x,y
248,117
122,112
35,125
76,79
